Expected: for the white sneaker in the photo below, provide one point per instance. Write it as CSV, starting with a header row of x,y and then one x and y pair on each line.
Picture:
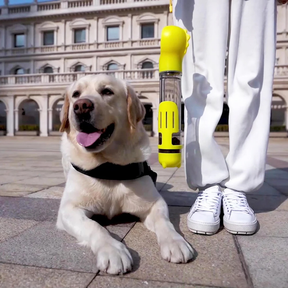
x,y
203,217
239,218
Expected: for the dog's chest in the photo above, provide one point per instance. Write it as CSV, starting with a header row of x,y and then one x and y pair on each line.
x,y
103,198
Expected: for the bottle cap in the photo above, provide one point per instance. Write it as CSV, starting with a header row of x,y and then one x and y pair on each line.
x,y
173,46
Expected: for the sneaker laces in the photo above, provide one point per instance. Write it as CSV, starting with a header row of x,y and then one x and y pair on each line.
x,y
208,201
236,201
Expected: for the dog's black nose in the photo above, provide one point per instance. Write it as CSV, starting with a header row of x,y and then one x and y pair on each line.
x,y
82,108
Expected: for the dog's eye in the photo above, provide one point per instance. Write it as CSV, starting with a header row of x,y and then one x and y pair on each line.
x,y
76,94
107,92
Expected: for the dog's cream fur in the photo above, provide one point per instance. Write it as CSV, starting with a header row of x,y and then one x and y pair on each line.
x,y
84,196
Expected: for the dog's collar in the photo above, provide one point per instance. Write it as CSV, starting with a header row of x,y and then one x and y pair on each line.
x,y
110,171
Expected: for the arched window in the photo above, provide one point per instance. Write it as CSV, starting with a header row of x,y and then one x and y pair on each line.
x,y
48,69
147,65
19,71
112,66
79,68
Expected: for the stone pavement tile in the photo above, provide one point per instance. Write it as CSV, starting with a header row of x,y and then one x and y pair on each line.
x,y
267,189
12,177
184,199
121,282
27,173
10,227
162,172
14,190
280,184
50,193
178,179
267,203
266,258
42,181
217,263
12,276
273,223
55,175
172,186
29,208
162,178
45,246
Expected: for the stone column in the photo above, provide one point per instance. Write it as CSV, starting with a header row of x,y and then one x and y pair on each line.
x,y
3,43
130,27
63,35
155,122
50,118
95,32
16,117
10,116
44,116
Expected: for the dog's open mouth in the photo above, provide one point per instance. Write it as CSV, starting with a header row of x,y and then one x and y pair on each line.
x,y
93,139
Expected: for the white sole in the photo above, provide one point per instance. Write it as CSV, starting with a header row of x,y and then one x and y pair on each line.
x,y
240,229
203,228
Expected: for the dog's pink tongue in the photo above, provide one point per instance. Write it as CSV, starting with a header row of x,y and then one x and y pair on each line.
x,y
86,140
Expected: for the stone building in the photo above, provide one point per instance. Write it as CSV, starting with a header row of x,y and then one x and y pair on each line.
x,y
44,46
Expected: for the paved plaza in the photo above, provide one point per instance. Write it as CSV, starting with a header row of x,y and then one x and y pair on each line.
x,y
34,254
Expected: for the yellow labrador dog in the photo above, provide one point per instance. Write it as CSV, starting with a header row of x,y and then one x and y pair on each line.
x,y
104,153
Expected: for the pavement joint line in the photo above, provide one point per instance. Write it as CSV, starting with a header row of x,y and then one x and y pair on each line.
x,y
243,262
162,281
267,183
132,226
92,280
19,233
47,268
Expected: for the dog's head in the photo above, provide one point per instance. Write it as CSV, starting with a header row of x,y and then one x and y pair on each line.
x,y
98,109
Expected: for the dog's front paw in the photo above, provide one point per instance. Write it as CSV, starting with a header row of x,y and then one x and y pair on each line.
x,y
176,250
114,258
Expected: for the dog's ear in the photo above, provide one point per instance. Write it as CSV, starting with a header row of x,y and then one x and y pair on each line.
x,y
135,109
64,114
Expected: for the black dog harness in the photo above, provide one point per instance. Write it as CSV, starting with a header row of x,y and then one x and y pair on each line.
x,y
110,171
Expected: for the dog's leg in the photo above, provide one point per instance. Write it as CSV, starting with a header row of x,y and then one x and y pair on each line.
x,y
111,255
173,246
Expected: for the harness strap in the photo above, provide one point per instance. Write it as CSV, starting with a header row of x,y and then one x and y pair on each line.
x,y
110,171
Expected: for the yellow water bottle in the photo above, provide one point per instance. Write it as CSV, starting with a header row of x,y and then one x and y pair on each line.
x,y
173,46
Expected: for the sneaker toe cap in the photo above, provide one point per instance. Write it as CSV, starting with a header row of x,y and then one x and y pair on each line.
x,y
240,217
202,217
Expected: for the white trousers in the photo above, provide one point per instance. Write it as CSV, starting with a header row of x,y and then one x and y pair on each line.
x,y
247,29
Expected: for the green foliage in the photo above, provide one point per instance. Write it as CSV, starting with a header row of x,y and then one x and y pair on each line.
x,y
222,128
28,127
3,127
148,127
56,127
277,129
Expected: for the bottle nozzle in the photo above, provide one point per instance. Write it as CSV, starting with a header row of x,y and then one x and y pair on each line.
x,y
170,7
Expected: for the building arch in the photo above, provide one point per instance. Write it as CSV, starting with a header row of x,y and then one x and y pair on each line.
x,y
79,23
147,17
28,115
112,20
48,66
56,109
73,67
279,116
48,25
18,70
147,66
3,116
113,62
148,119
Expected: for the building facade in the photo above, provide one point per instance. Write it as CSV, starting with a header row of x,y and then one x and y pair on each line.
x,y
44,46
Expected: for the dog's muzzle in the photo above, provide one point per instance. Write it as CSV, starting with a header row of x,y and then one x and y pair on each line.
x,y
82,109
